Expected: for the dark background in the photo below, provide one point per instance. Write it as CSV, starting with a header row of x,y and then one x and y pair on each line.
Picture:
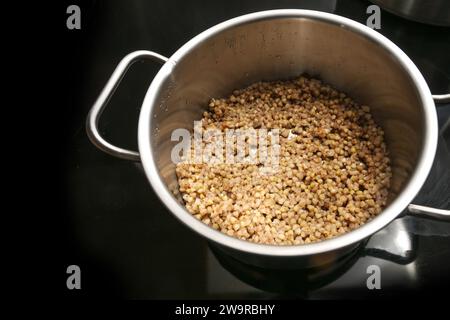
x,y
108,220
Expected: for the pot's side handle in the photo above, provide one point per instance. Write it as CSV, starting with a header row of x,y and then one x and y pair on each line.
x,y
441,98
429,212
102,100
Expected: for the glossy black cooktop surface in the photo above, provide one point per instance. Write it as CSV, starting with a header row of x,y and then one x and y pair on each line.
x,y
128,245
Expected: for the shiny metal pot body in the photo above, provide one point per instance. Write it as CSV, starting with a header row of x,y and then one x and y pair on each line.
x,y
436,12
281,44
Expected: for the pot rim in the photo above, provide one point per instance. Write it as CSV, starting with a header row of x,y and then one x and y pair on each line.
x,y
413,186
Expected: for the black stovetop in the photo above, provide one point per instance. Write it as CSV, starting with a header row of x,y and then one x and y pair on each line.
x,y
128,245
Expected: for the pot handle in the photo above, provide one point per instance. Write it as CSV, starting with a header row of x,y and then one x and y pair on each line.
x,y
428,212
441,98
389,256
106,94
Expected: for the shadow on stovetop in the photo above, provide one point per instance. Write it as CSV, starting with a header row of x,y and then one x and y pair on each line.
x,y
391,249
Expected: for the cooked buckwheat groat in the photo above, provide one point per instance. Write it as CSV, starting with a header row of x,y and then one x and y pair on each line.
x,y
333,174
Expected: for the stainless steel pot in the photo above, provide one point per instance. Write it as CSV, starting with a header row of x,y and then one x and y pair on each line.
x,y
281,44
436,12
